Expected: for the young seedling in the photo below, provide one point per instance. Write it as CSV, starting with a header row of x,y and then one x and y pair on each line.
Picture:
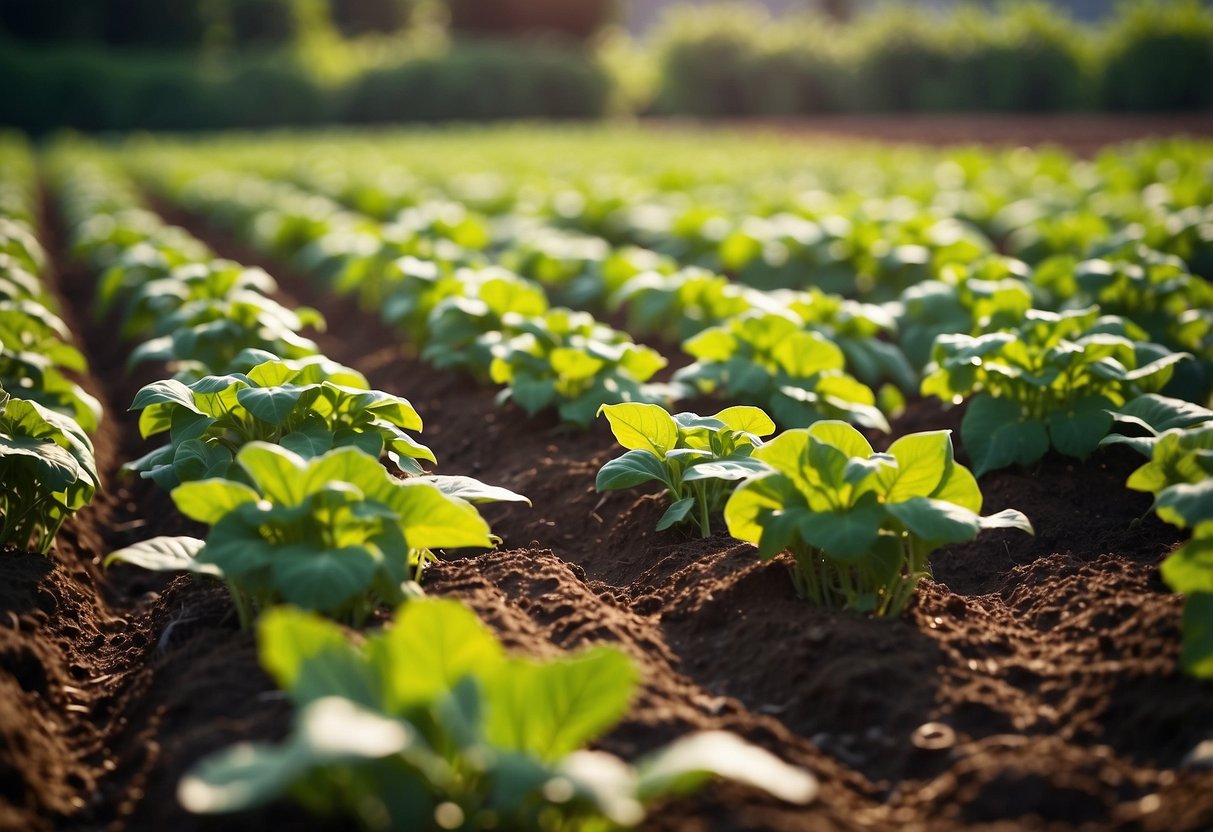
x,y
1051,382
47,472
699,459
771,359
335,533
1180,476
860,525
430,724
308,406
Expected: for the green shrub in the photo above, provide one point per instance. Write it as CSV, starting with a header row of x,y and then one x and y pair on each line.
x,y
481,81
576,19
1160,57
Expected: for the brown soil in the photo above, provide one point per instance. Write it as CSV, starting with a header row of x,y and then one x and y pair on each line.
x,y
1047,663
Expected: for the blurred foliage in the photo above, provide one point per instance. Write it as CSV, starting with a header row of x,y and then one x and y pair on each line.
x,y
1160,57
195,23
735,60
480,81
252,63
575,19
90,89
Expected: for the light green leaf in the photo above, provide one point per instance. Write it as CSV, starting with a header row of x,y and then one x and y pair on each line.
x,y
923,460
164,554
552,708
208,500
433,644
639,426
747,419
687,763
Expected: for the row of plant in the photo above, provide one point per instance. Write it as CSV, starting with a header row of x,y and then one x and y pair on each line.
x,y
1049,353
455,308
47,468
767,216
1031,348
426,724
704,460
782,348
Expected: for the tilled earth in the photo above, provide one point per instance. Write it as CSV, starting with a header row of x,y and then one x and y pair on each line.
x,y
1031,685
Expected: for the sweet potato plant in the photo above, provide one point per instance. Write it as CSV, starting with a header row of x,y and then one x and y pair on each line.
x,y
859,525
430,724
699,459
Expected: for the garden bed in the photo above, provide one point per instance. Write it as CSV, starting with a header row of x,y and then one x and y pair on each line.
x,y
1033,683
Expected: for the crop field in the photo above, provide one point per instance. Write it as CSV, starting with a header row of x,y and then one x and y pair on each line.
x,y
600,478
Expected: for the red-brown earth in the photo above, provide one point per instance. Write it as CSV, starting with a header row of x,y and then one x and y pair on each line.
x,y
1032,684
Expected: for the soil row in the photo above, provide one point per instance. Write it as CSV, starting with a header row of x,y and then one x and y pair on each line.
x,y
1033,680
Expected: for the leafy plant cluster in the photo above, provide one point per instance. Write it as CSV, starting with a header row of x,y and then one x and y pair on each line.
x,y
47,469
554,357
1051,382
698,459
859,525
335,533
430,724
1176,437
278,457
280,454
772,360
170,296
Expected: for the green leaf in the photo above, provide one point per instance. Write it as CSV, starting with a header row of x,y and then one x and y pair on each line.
x,y
639,426
164,554
1197,653
207,501
936,521
432,520
749,508
1008,518
433,644
550,709
923,460
1189,569
473,490
632,469
996,434
747,419
271,404
842,436
194,459
726,468
1157,414
676,513
288,638
311,440
277,472
322,579
846,534
1186,504
687,763
1077,431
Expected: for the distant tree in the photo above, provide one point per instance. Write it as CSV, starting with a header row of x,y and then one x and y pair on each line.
x,y
261,22
357,17
842,11
51,20
156,23
575,19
